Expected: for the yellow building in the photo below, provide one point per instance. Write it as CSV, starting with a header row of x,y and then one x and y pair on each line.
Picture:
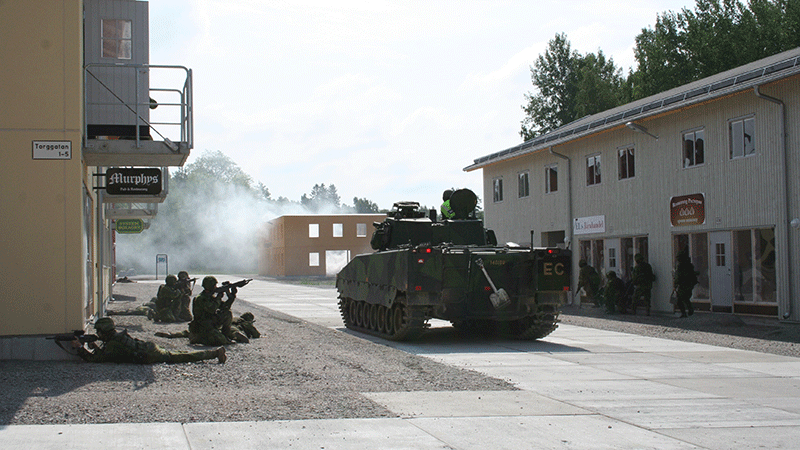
x,y
75,89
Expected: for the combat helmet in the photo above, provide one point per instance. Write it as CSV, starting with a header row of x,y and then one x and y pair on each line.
x,y
104,325
182,275
209,282
171,280
447,194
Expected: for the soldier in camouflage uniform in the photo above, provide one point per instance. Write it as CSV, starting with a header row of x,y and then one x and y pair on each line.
x,y
147,309
245,324
684,281
642,279
614,293
589,280
168,300
120,347
183,313
212,317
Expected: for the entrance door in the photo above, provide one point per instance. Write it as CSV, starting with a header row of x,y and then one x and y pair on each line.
x,y
613,259
720,271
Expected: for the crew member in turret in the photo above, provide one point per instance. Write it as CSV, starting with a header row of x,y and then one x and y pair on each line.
x,y
447,211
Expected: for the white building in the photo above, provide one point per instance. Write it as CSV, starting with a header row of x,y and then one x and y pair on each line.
x,y
712,166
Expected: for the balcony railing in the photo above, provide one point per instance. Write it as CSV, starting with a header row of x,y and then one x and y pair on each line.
x,y
147,108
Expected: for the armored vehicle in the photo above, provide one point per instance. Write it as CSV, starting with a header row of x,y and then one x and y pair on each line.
x,y
451,270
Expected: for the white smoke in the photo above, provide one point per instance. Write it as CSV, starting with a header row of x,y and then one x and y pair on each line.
x,y
212,229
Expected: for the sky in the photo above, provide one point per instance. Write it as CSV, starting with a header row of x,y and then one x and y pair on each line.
x,y
386,100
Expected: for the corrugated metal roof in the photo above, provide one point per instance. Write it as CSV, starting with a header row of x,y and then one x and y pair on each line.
x,y
744,77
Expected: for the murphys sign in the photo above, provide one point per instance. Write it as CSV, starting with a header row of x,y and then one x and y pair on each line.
x,y
687,210
133,181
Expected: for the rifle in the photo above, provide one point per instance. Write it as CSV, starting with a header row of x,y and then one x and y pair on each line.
x,y
227,285
80,335
184,283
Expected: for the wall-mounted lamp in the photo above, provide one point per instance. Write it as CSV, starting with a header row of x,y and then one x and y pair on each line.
x,y
795,223
640,129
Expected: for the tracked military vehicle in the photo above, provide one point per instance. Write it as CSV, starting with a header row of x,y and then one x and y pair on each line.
x,y
451,270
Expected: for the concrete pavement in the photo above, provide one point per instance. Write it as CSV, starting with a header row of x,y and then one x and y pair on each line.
x,y
581,388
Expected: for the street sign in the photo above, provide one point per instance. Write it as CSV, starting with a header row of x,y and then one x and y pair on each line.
x,y
129,226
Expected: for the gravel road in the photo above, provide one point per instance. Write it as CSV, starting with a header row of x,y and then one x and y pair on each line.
x,y
298,370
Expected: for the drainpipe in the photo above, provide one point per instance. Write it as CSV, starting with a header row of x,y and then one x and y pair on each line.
x,y
787,271
569,197
569,190
99,249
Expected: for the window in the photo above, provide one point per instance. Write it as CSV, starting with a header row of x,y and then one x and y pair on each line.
x,y
313,230
741,137
361,230
523,184
338,230
754,274
693,148
497,194
313,259
116,38
551,178
626,163
593,170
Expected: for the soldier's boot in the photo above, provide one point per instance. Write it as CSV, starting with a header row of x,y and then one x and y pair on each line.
x,y
151,315
239,337
221,356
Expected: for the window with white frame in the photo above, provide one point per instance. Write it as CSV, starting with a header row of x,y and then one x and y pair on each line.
x,y
313,259
497,190
361,230
523,182
115,38
551,178
338,230
742,141
593,170
313,230
626,163
694,148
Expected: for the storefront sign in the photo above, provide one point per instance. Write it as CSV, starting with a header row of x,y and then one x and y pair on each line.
x,y
133,181
129,226
687,210
589,225
52,149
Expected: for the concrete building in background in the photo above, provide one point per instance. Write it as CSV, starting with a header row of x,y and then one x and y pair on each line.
x,y
87,128
712,166
314,245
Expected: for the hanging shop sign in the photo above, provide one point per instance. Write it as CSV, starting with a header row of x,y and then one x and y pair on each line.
x,y
136,181
589,225
129,226
687,210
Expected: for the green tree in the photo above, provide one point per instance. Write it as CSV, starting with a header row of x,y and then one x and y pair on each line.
x,y
717,35
364,206
321,197
215,166
569,86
